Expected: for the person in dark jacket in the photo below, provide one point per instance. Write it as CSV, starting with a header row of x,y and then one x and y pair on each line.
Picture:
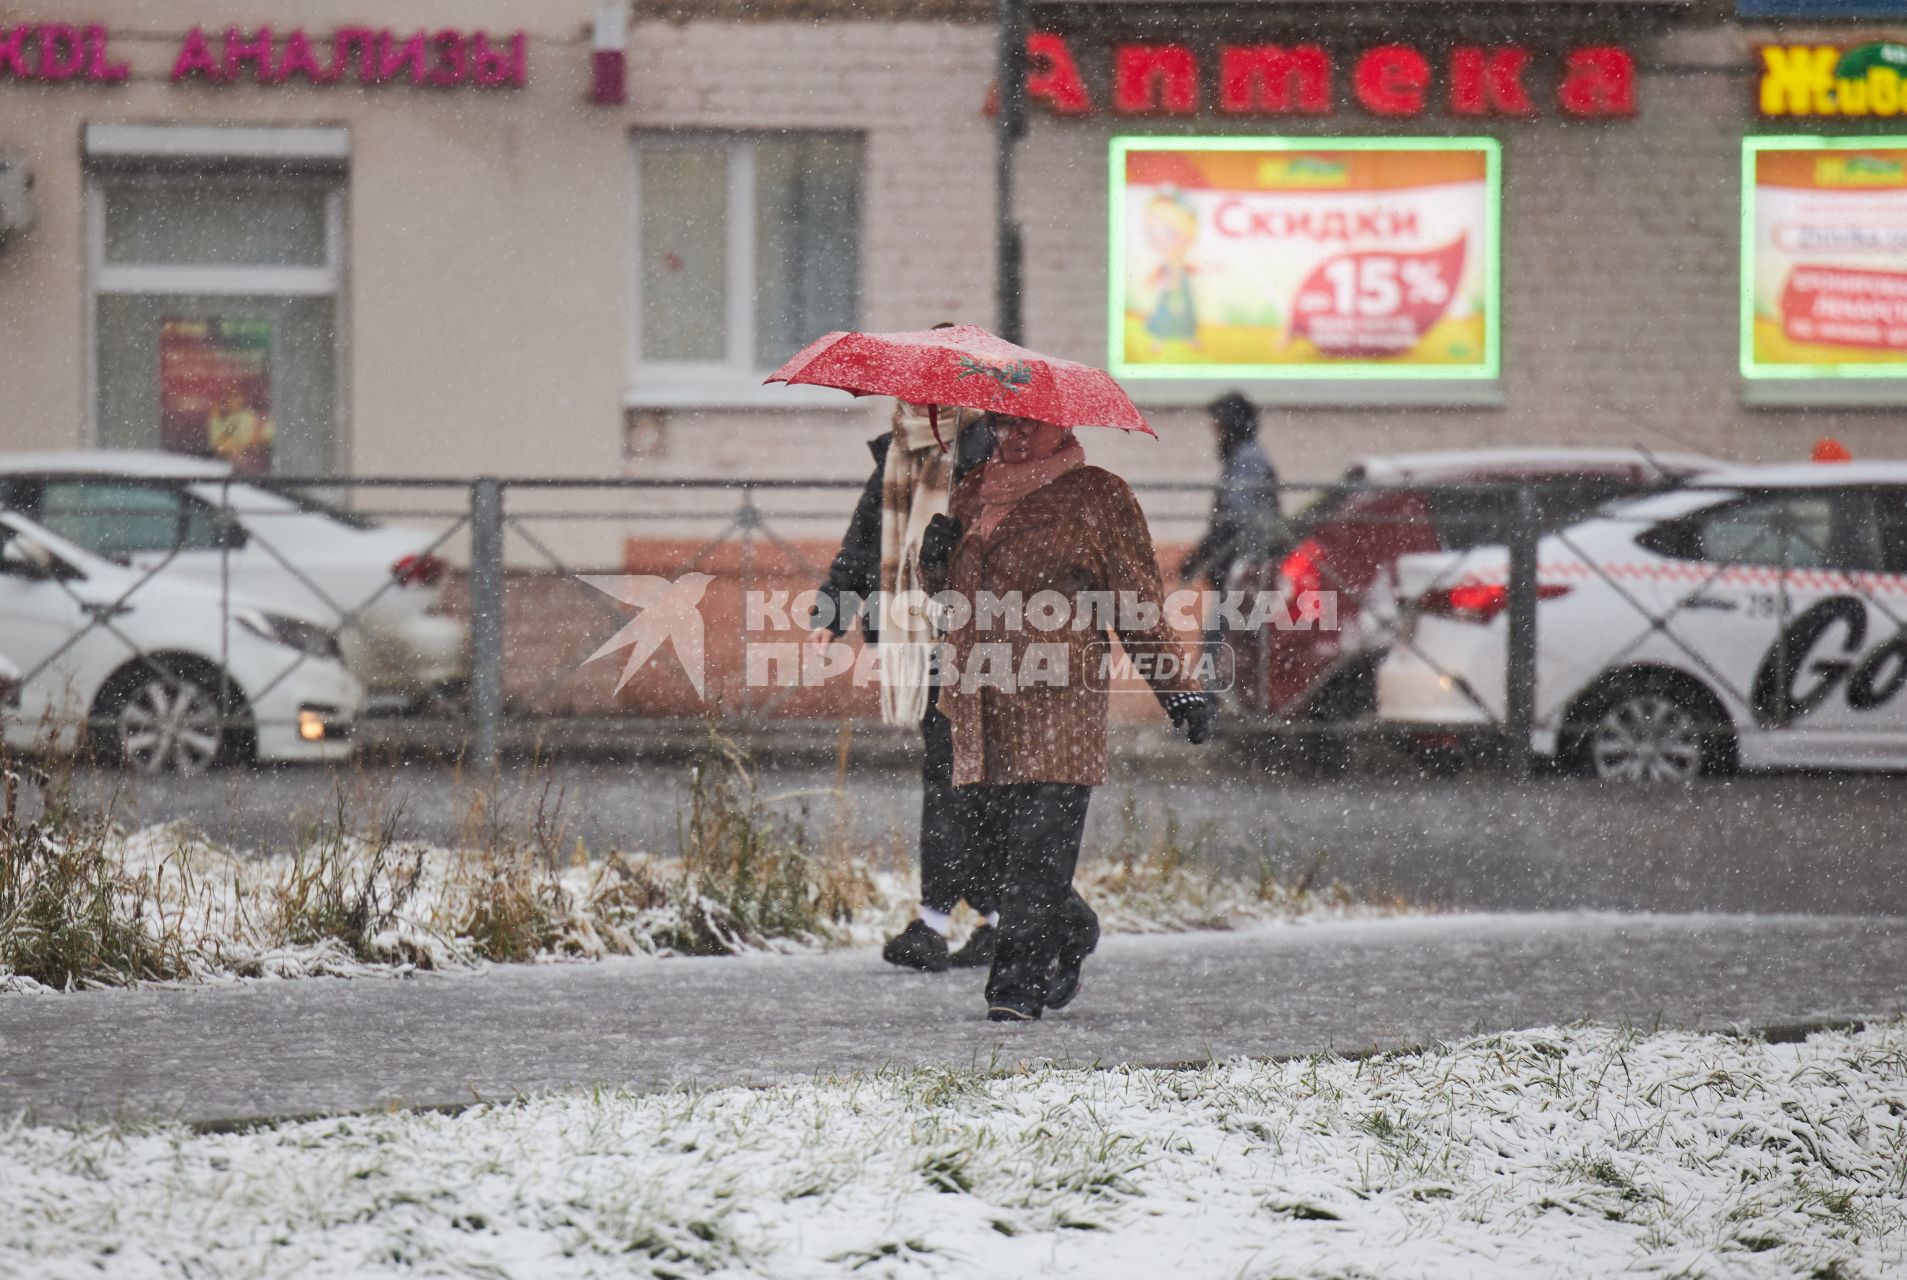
x,y
1245,510
912,482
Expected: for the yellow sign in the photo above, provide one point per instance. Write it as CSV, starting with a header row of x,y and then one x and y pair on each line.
x,y
1863,80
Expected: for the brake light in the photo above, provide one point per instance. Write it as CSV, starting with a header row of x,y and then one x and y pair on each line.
x,y
1478,601
1302,570
418,571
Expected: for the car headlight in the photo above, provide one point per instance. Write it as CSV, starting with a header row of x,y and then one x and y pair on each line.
x,y
293,633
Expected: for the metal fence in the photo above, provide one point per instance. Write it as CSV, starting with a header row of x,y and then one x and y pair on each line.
x,y
505,561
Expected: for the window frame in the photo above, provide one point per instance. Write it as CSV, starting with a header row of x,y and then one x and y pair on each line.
x,y
735,380
154,153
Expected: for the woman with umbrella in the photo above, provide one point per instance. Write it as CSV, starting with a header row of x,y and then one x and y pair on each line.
x,y
1038,519
1033,522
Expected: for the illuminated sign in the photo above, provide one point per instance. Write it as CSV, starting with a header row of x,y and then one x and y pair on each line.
x,y
367,55
1304,258
1862,81
1389,80
1824,258
55,52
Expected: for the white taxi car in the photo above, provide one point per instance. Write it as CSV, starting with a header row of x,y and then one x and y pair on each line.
x,y
165,676
1756,618
192,520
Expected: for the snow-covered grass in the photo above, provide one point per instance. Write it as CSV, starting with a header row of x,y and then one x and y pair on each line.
x,y
1558,1152
83,903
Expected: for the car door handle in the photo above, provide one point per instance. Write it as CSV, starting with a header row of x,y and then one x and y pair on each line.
x,y
106,612
1709,602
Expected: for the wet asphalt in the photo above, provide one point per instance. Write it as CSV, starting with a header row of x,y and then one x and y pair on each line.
x,y
1478,842
273,1049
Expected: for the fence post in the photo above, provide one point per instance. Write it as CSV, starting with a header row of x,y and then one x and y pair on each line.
x,y
1519,676
486,615
1011,18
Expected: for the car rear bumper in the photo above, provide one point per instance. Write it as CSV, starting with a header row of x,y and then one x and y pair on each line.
x,y
1413,689
410,656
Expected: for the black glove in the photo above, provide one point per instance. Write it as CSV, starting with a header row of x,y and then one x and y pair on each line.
x,y
937,542
1195,713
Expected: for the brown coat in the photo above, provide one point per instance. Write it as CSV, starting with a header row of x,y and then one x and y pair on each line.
x,y
1082,532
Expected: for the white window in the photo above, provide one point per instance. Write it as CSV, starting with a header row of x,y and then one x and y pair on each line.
x,y
746,249
216,266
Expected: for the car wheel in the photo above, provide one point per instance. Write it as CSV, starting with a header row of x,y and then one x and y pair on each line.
x,y
168,720
1649,734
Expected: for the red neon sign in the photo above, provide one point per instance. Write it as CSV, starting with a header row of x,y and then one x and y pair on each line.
x,y
1393,80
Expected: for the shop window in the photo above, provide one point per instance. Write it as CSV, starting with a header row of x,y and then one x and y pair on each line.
x,y
746,249
215,291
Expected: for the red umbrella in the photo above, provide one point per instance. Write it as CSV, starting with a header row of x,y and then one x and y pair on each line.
x,y
967,367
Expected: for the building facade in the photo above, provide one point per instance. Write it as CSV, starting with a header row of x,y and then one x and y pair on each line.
x,y
322,240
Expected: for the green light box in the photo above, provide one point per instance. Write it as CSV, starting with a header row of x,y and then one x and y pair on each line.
x,y
1304,258
1823,257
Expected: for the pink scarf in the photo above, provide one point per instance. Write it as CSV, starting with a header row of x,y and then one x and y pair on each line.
x,y
1003,484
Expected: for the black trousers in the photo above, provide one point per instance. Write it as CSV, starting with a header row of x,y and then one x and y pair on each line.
x,y
1037,828
956,861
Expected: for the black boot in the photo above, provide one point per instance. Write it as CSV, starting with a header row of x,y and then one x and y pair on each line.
x,y
1082,936
917,947
978,953
1005,1010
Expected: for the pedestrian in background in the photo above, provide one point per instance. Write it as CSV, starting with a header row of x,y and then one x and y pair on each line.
x,y
1245,508
1037,519
915,467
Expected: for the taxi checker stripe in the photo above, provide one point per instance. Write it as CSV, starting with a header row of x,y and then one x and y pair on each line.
x,y
1743,575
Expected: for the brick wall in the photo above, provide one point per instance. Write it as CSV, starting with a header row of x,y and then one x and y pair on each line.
x,y
1620,290
1619,265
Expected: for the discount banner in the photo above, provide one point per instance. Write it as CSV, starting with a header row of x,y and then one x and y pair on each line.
x,y
1374,257
1824,269
215,389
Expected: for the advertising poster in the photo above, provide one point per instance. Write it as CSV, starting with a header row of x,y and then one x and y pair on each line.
x,y
215,389
1824,257
1275,258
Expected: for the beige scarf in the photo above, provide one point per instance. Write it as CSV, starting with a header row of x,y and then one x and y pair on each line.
x,y
915,486
1003,484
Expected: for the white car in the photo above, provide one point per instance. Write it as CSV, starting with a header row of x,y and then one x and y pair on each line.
x,y
1757,618
380,588
164,677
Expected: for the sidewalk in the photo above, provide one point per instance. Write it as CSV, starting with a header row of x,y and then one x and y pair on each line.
x,y
270,1049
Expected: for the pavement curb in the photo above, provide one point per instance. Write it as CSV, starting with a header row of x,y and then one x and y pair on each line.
x,y
1789,1032
860,744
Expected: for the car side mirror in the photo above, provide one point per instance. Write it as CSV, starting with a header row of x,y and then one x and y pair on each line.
x,y
29,558
231,533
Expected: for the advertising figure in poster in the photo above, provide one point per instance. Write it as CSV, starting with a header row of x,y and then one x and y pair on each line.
x,y
239,434
1171,227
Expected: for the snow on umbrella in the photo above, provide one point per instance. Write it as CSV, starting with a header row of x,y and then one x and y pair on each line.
x,y
967,367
